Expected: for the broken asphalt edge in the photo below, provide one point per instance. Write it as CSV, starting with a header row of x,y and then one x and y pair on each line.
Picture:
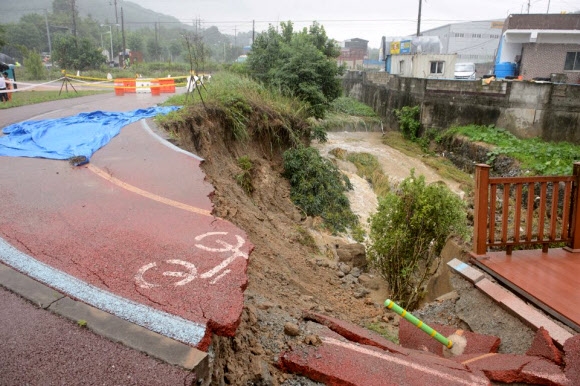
x,y
507,300
106,325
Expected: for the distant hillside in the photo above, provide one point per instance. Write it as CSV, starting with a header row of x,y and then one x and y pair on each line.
x,y
100,10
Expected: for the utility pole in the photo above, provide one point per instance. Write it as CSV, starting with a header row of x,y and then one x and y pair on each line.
x,y
419,20
529,7
253,31
157,38
48,34
74,18
548,10
123,32
116,14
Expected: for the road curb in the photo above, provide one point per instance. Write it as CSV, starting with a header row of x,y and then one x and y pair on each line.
x,y
105,324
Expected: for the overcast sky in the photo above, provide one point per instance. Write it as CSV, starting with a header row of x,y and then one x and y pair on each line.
x,y
369,20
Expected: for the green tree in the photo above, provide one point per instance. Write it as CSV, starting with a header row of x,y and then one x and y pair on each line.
x,y
71,55
408,233
135,42
26,35
2,37
154,49
33,65
302,64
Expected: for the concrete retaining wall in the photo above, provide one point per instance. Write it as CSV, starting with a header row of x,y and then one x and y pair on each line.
x,y
549,111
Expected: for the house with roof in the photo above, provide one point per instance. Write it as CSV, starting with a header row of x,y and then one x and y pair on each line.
x,y
541,47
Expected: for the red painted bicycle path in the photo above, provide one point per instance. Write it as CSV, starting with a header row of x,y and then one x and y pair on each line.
x,y
135,222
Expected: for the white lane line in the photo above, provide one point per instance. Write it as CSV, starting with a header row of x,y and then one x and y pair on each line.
x,y
407,363
167,143
161,322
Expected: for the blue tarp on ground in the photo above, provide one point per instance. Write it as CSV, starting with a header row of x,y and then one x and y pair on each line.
x,y
64,138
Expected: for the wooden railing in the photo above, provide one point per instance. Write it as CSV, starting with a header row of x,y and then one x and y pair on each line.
x,y
526,211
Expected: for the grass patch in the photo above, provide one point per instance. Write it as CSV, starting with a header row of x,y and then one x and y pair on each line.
x,y
348,113
23,98
368,167
537,156
246,106
244,179
350,106
381,329
341,121
305,238
445,168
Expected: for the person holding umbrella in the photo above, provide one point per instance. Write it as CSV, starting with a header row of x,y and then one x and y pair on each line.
x,y
3,87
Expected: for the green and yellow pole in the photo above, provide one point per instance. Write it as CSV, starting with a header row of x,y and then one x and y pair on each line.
x,y
391,305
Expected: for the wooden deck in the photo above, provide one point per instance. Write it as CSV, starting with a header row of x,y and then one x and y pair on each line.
x,y
549,280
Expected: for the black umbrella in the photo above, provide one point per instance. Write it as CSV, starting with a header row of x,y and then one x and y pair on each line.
x,y
3,66
7,59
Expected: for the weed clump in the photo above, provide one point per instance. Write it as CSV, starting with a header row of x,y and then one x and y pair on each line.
x,y
318,187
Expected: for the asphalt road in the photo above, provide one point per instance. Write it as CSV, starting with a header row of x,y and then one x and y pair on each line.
x,y
38,347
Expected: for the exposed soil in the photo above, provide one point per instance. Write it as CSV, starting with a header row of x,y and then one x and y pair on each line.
x,y
288,274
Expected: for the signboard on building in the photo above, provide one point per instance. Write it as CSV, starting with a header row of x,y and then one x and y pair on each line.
x,y
405,47
395,48
497,24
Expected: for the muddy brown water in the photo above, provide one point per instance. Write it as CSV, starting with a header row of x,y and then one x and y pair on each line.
x,y
395,164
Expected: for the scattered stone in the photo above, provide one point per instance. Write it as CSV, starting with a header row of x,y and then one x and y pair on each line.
x,y
265,305
543,346
344,268
453,295
356,272
369,281
312,340
353,254
340,274
257,350
322,262
291,329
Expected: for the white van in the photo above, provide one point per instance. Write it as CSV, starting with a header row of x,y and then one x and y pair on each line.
x,y
464,71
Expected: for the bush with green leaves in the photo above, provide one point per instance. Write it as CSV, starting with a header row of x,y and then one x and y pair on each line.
x,y
408,233
534,154
34,66
409,123
76,54
318,188
302,64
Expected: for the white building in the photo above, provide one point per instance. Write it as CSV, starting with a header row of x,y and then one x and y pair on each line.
x,y
431,66
474,41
